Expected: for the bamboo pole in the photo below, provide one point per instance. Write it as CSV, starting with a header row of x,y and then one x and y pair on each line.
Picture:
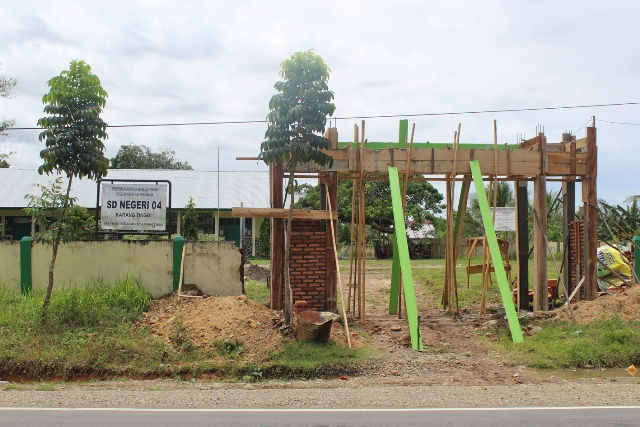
x,y
335,254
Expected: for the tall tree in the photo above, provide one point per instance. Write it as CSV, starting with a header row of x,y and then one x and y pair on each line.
x,y
296,124
73,137
142,157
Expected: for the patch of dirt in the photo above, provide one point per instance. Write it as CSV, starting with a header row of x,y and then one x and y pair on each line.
x,y
257,273
624,303
205,320
455,352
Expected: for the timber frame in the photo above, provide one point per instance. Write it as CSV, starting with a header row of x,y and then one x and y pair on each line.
x,y
568,161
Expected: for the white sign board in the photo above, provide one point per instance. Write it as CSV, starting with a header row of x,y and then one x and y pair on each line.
x,y
505,219
139,207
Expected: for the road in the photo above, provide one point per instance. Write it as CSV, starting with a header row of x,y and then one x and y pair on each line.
x,y
490,417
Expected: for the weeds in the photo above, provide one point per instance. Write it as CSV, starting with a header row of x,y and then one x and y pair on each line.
x,y
605,343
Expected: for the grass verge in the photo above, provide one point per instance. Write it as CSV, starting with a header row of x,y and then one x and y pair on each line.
x,y
605,343
92,333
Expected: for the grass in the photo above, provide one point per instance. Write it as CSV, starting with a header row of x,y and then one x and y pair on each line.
x,y
257,291
606,343
92,333
428,277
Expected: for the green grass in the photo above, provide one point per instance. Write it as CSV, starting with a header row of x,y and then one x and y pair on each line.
x,y
428,277
92,333
606,343
257,291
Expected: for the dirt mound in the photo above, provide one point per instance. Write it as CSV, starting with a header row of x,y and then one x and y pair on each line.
x,y
257,273
626,304
204,321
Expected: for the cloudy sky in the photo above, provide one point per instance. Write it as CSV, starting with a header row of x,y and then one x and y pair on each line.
x,y
204,61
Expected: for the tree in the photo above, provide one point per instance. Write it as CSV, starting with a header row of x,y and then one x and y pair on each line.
x,y
3,159
424,201
504,197
296,124
190,221
6,87
142,157
73,138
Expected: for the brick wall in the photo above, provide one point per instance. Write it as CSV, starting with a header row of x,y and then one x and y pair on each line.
x,y
308,263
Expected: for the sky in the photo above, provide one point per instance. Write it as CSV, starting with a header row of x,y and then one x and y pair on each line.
x,y
210,61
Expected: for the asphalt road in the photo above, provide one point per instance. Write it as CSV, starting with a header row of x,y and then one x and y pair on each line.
x,y
534,416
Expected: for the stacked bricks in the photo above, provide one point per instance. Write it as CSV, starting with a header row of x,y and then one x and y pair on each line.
x,y
308,263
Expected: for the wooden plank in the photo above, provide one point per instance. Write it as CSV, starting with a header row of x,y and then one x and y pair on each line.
x,y
405,263
496,257
591,217
540,296
581,143
280,213
517,162
332,273
522,236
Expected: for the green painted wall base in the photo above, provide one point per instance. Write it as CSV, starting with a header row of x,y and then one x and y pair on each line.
x,y
178,244
25,265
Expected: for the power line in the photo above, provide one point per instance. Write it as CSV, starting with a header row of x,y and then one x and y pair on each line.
x,y
618,123
383,116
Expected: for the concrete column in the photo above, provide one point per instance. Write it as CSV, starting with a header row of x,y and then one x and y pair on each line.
x,y
216,223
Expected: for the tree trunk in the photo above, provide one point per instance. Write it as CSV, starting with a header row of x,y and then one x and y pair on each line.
x,y
288,305
56,244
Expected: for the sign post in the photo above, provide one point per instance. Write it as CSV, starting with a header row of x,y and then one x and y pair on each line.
x,y
134,207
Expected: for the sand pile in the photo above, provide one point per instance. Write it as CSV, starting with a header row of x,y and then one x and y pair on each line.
x,y
210,319
626,304
257,273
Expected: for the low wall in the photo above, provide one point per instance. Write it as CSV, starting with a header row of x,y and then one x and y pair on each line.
x,y
212,266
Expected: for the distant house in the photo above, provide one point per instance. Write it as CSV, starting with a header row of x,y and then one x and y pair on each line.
x,y
248,189
426,230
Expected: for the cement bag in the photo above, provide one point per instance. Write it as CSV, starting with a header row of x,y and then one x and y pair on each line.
x,y
615,260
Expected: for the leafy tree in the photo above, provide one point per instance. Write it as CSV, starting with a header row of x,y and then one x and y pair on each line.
x,y
6,87
48,210
296,124
624,222
264,236
142,157
423,202
190,221
73,135
3,160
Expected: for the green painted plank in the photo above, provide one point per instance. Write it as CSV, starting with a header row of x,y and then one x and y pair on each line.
x,y
496,257
395,267
405,263
436,145
395,279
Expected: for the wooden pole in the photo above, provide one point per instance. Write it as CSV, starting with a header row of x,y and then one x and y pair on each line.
x,y
335,252
363,233
351,258
522,212
540,281
591,217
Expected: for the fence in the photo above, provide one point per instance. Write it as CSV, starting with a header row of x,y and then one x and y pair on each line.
x,y
214,267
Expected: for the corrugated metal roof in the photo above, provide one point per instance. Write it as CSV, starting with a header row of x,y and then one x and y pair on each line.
x,y
248,188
